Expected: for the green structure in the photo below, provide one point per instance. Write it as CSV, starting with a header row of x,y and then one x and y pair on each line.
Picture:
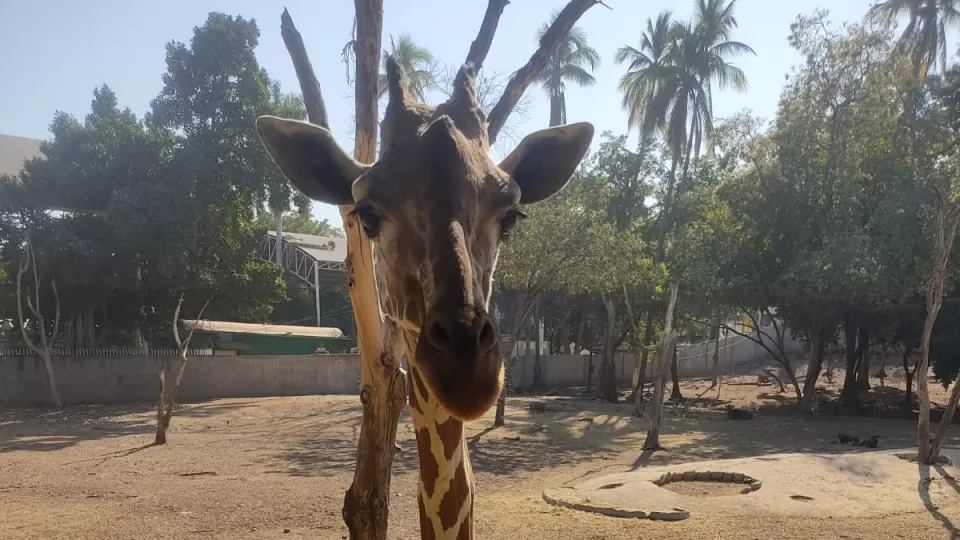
x,y
266,339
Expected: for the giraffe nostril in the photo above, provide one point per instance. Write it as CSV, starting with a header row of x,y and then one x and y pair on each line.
x,y
439,335
487,337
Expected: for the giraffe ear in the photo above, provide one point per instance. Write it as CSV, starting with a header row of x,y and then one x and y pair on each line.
x,y
309,157
545,160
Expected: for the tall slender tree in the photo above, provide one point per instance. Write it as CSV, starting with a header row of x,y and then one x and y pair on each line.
x,y
416,61
569,63
925,34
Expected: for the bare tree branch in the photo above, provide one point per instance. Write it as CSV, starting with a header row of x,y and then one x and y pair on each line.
x,y
309,85
526,74
488,28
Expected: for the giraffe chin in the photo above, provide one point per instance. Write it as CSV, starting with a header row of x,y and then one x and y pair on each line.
x,y
466,390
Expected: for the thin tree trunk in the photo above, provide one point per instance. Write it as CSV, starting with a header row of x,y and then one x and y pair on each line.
x,y
519,317
607,383
817,348
537,366
675,395
908,376
863,357
849,397
947,219
716,359
945,421
555,113
667,343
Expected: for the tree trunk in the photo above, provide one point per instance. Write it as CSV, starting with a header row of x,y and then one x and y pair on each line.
x,y
923,367
675,395
564,335
908,375
644,359
947,218
945,421
519,317
537,366
849,397
51,379
716,359
667,343
863,359
556,116
581,330
817,347
607,383
161,436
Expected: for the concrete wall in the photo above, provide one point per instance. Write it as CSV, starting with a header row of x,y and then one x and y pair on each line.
x,y
738,356
129,379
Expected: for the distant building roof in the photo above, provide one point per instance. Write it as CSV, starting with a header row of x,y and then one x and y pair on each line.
x,y
15,150
262,329
321,248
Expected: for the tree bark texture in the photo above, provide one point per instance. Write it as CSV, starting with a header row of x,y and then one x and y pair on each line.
x,y
488,28
44,344
817,348
947,218
667,343
382,382
607,381
675,395
849,397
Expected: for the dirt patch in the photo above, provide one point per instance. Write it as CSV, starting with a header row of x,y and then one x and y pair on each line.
x,y
273,464
704,489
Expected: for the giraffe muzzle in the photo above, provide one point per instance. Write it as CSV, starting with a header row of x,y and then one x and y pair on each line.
x,y
459,356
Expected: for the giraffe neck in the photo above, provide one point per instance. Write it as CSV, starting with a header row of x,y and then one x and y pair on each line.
x,y
445,494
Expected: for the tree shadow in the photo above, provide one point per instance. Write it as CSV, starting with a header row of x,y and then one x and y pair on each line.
x,y
45,430
923,489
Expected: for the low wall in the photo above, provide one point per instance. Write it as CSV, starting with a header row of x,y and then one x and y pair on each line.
x,y
131,379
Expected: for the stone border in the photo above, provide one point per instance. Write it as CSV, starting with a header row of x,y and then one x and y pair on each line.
x,y
752,484
556,498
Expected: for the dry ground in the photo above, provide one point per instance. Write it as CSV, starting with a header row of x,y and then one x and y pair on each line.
x,y
278,468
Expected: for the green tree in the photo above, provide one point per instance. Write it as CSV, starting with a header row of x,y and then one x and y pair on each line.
x,y
925,35
568,63
670,80
298,222
416,61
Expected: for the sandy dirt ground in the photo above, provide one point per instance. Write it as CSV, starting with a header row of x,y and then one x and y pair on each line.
x,y
278,468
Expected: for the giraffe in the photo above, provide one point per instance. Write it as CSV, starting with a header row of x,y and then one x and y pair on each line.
x,y
437,209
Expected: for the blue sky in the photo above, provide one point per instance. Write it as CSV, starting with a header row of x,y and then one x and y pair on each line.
x,y
57,51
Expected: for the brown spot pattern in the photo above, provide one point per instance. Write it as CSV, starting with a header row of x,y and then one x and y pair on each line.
x,y
420,385
426,528
429,469
455,498
466,529
412,394
451,432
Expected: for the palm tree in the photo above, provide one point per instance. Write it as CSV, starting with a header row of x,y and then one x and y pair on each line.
x,y
670,78
925,34
567,63
416,61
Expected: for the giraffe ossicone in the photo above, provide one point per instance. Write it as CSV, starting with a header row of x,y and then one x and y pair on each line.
x,y
437,208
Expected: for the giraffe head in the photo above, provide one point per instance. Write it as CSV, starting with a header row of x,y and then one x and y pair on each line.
x,y
437,209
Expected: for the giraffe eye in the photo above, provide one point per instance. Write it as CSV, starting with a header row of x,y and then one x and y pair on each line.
x,y
369,220
509,222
